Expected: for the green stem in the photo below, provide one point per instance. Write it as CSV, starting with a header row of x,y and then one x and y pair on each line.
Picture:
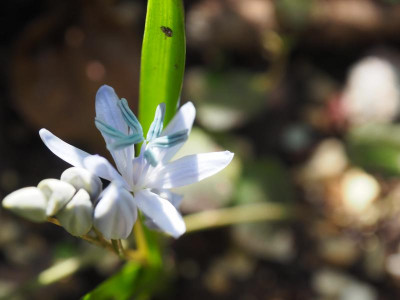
x,y
115,245
100,241
141,242
256,212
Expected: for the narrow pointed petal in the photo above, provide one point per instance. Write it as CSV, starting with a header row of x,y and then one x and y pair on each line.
x,y
115,213
188,169
107,109
182,121
172,197
79,158
100,166
109,113
138,167
129,117
63,150
161,212
157,125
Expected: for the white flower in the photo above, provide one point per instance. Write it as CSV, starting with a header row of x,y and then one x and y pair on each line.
x,y
140,182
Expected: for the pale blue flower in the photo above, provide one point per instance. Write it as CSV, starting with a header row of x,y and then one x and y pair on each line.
x,y
141,182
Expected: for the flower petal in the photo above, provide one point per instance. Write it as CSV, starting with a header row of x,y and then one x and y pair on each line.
x,y
188,169
172,197
101,167
107,109
79,158
161,212
157,125
63,150
115,213
183,120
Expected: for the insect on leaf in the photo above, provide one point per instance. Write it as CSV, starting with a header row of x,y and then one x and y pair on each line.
x,y
163,59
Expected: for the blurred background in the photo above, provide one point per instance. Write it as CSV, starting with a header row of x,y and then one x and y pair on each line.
x,y
306,93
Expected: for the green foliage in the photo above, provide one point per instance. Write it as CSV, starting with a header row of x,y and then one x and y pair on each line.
x,y
376,147
295,13
163,59
133,281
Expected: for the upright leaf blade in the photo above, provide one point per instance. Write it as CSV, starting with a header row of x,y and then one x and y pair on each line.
x,y
163,59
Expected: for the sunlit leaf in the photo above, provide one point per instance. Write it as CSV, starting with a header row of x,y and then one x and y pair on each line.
x,y
133,281
163,59
376,147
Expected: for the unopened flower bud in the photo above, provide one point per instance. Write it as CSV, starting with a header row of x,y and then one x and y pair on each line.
x,y
77,216
83,179
28,202
115,213
58,193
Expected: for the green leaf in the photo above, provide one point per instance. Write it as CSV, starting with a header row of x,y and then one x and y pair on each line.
x,y
133,281
163,59
376,147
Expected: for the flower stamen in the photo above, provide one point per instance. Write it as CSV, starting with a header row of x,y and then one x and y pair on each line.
x,y
122,140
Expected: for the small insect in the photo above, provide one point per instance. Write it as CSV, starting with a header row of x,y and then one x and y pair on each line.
x,y
167,31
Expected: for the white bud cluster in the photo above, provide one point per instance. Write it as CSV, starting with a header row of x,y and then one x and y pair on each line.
x,y
70,200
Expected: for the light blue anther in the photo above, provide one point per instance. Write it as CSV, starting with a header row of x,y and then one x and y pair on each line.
x,y
125,142
108,130
122,140
129,116
157,126
150,157
164,142
170,140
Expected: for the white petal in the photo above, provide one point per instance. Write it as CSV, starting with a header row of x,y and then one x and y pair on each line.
x,y
115,213
79,158
107,109
183,119
140,167
174,198
123,159
188,169
161,212
63,150
102,168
